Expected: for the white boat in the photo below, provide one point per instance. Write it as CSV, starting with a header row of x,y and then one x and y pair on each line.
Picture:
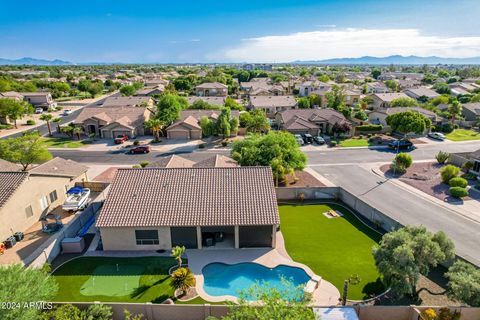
x,y
77,199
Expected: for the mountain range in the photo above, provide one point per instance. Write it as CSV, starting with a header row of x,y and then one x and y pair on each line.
x,y
395,59
33,61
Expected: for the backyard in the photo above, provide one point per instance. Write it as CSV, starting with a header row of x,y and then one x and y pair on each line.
x,y
135,280
334,248
463,135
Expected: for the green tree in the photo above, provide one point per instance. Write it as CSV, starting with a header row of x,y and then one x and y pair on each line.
x,y
254,121
207,125
287,302
24,285
14,110
361,115
182,279
336,98
279,150
223,123
408,122
128,90
376,73
405,254
177,253
26,150
454,110
98,312
442,88
62,312
168,109
57,122
392,85
232,104
47,117
95,88
156,126
403,102
464,283
303,103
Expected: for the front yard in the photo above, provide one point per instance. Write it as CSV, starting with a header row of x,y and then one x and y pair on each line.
x,y
65,142
334,248
354,142
463,135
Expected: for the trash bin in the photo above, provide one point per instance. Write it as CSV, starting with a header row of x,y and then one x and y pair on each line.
x,y
10,242
18,236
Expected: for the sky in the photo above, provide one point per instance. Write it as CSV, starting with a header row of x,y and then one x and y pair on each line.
x,y
236,31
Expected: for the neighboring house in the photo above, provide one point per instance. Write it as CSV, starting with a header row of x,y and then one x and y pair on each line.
x,y
188,127
156,82
174,161
459,159
378,87
351,97
379,116
401,76
9,166
137,101
108,122
459,88
25,197
306,88
42,100
383,100
146,209
471,111
273,104
216,161
216,101
150,91
407,84
11,95
421,93
211,89
312,121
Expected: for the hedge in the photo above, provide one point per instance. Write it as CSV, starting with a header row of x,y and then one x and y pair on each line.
x,y
458,192
369,127
458,182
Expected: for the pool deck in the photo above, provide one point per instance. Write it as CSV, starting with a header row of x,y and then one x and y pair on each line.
x,y
326,294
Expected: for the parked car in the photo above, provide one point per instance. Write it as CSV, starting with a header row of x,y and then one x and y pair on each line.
x,y
140,149
402,144
120,139
436,135
307,138
38,110
299,139
67,112
319,140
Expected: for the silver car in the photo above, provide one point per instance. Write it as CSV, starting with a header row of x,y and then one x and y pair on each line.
x,y
436,135
299,139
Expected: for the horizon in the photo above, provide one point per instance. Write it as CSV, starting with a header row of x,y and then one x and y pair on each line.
x,y
266,32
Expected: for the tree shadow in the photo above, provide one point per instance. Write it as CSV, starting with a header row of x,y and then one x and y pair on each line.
x,y
373,288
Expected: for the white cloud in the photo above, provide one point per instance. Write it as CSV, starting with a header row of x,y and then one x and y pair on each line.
x,y
339,43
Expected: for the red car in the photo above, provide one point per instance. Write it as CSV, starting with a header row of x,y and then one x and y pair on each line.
x,y
120,139
140,149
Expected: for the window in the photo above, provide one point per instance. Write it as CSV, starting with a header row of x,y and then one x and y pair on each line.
x,y
29,211
53,196
44,202
146,237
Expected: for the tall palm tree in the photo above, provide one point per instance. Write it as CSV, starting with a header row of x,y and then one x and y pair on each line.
x,y
182,279
57,122
47,118
155,126
177,253
77,131
455,109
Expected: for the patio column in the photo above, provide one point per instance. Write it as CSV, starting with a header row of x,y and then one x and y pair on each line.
x,y
237,237
199,237
274,236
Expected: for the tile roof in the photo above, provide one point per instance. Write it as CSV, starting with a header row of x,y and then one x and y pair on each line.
x,y
9,166
59,167
313,115
388,97
172,161
135,115
473,107
125,101
217,161
9,183
154,197
210,85
421,92
198,114
273,101
218,101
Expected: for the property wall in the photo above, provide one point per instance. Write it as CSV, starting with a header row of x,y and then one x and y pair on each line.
x,y
124,239
292,193
13,216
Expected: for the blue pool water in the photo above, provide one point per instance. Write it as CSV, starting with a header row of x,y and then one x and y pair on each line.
x,y
225,279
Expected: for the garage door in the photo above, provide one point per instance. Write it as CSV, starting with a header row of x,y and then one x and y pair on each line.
x,y
179,134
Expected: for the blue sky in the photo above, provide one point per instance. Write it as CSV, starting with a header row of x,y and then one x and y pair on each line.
x,y
229,31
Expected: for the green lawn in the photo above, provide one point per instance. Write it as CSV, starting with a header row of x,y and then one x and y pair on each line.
x,y
98,279
65,143
354,143
463,135
333,248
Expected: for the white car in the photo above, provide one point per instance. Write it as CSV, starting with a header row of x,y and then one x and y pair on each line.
x,y
67,112
436,135
299,139
39,110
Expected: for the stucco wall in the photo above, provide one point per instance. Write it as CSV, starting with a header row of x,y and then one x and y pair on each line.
x,y
124,239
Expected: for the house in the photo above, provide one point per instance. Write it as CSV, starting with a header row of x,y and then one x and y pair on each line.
x,y
459,88
273,104
42,100
378,116
471,111
174,161
378,87
25,197
312,121
188,127
421,93
459,159
216,101
306,88
216,161
263,87
400,75
150,91
108,122
351,97
211,89
383,100
145,209
136,101
156,82
408,83
11,95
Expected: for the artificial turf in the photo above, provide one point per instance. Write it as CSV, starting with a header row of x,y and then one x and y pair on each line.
x,y
65,143
463,135
334,248
143,279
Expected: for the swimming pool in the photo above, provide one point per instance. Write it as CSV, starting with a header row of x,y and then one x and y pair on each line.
x,y
230,279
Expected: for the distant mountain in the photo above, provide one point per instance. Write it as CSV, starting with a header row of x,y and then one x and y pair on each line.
x,y
397,59
33,61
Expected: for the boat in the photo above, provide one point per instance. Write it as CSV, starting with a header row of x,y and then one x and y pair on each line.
x,y
77,199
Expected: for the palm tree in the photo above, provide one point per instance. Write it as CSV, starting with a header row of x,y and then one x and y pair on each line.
x,y
57,121
454,109
155,126
177,253
47,118
182,279
77,131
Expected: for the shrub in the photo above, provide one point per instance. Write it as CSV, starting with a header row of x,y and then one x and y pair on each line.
x,y
446,128
458,192
469,176
369,127
442,157
404,159
30,122
201,145
458,182
5,126
448,172
136,142
333,143
224,143
136,166
143,164
467,166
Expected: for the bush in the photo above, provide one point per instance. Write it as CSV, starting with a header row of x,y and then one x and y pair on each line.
x,y
442,157
136,142
136,166
201,145
5,126
143,164
458,192
458,182
467,166
224,143
30,122
404,159
446,128
369,127
333,143
448,172
469,176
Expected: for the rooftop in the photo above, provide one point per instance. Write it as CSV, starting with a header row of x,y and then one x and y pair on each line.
x,y
60,167
9,183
